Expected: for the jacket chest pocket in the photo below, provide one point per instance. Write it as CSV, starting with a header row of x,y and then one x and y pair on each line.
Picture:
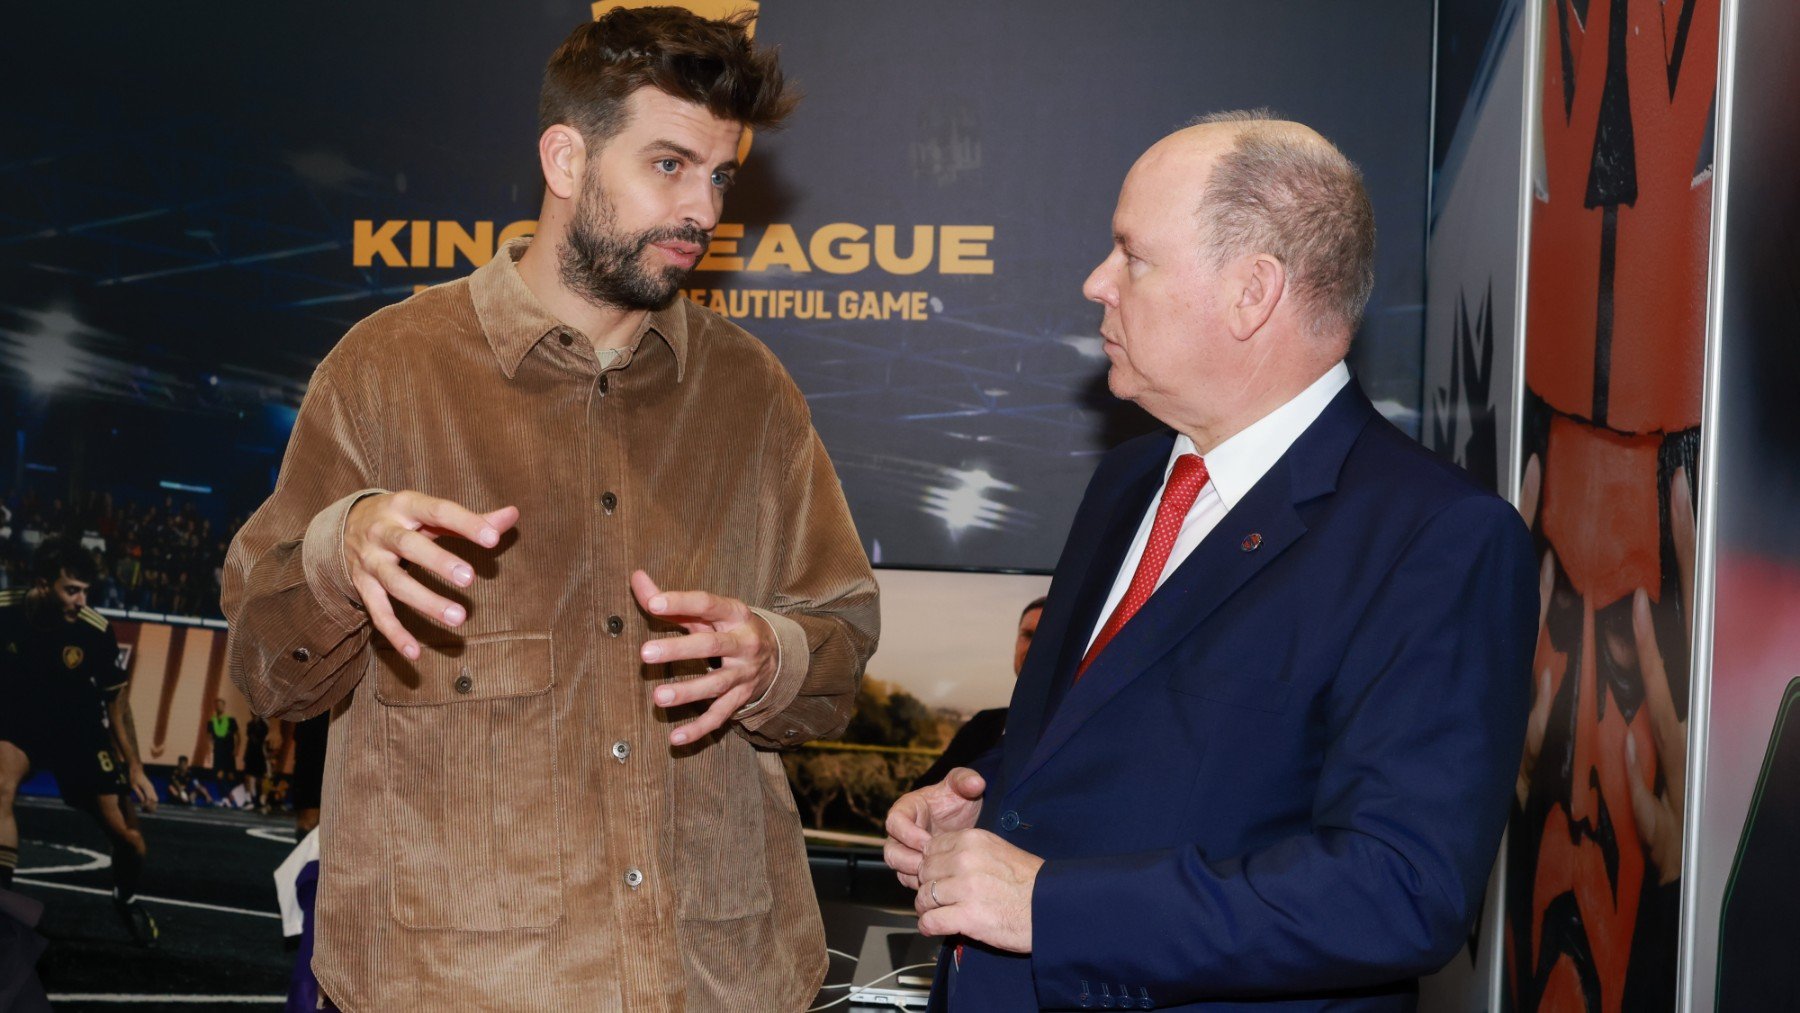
x,y
471,786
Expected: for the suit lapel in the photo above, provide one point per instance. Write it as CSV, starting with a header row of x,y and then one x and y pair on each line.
x,y
1217,569
1071,612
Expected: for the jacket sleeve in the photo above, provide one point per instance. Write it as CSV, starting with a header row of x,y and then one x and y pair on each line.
x,y
823,608
298,633
1423,723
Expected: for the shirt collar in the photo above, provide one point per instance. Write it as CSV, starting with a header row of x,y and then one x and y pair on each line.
x,y
514,321
1235,466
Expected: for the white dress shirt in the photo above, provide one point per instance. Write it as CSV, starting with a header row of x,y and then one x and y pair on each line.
x,y
1232,469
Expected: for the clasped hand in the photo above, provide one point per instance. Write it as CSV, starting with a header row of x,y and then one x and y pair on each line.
x,y
967,882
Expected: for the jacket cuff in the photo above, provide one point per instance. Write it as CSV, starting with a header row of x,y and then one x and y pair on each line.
x,y
792,661
322,560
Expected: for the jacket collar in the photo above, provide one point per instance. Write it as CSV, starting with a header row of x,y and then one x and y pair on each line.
x,y
514,321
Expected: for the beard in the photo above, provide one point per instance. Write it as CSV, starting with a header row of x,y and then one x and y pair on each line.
x,y
607,268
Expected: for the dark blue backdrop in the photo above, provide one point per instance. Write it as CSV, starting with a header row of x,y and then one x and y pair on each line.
x,y
178,192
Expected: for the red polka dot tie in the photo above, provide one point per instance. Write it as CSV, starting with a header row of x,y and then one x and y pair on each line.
x,y
1178,495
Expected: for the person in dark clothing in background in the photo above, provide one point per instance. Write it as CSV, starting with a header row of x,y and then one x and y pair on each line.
x,y
223,728
256,764
982,732
63,708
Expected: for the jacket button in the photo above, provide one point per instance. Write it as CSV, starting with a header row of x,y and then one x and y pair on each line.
x,y
603,384
463,683
1009,820
614,625
608,502
301,654
621,750
565,339
634,878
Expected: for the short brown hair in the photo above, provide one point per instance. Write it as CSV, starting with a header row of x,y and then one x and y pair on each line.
x,y
1282,192
710,63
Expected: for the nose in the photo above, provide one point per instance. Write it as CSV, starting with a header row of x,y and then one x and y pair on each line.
x,y
1099,286
701,203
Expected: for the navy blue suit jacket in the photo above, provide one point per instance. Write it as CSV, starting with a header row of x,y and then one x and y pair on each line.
x,y
1282,785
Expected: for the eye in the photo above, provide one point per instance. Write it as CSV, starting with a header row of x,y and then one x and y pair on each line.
x,y
723,179
668,165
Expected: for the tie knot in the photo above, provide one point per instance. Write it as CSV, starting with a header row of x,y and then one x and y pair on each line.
x,y
1189,473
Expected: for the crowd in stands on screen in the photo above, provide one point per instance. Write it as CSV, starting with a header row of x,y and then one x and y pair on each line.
x,y
153,557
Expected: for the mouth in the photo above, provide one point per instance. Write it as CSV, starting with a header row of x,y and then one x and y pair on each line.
x,y
684,255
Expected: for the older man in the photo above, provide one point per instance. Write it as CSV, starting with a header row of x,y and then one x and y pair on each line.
x,y
550,783
1262,745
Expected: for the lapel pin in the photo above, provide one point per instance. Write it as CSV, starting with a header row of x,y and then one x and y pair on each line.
x,y
1251,542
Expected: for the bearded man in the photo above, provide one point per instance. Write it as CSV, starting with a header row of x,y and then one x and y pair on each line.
x,y
616,573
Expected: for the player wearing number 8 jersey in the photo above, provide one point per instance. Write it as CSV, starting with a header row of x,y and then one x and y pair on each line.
x,y
63,709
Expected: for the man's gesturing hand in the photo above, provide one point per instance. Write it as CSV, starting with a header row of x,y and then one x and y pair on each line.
x,y
917,816
717,627
383,532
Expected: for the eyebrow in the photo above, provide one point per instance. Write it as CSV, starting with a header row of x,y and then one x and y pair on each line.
x,y
687,153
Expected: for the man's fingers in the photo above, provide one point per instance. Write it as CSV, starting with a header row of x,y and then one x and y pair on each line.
x,y
643,589
693,647
937,922
714,719
415,547
906,821
965,782
381,615
703,605
900,858
905,826
675,605
933,894
503,519
401,587
706,687
447,515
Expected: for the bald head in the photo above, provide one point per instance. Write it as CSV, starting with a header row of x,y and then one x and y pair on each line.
x,y
1261,184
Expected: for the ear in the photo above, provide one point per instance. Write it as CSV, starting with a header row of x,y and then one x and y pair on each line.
x,y
562,154
1258,283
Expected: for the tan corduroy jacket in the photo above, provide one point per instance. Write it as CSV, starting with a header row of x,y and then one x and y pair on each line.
x,y
505,823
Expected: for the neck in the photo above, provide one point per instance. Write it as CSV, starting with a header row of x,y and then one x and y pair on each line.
x,y
1254,404
605,325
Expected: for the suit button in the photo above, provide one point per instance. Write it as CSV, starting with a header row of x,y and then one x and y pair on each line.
x,y
302,655
464,683
565,339
621,750
1009,820
634,878
608,502
614,625
603,384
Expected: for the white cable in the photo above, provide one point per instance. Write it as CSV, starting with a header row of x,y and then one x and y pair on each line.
x,y
837,953
854,989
